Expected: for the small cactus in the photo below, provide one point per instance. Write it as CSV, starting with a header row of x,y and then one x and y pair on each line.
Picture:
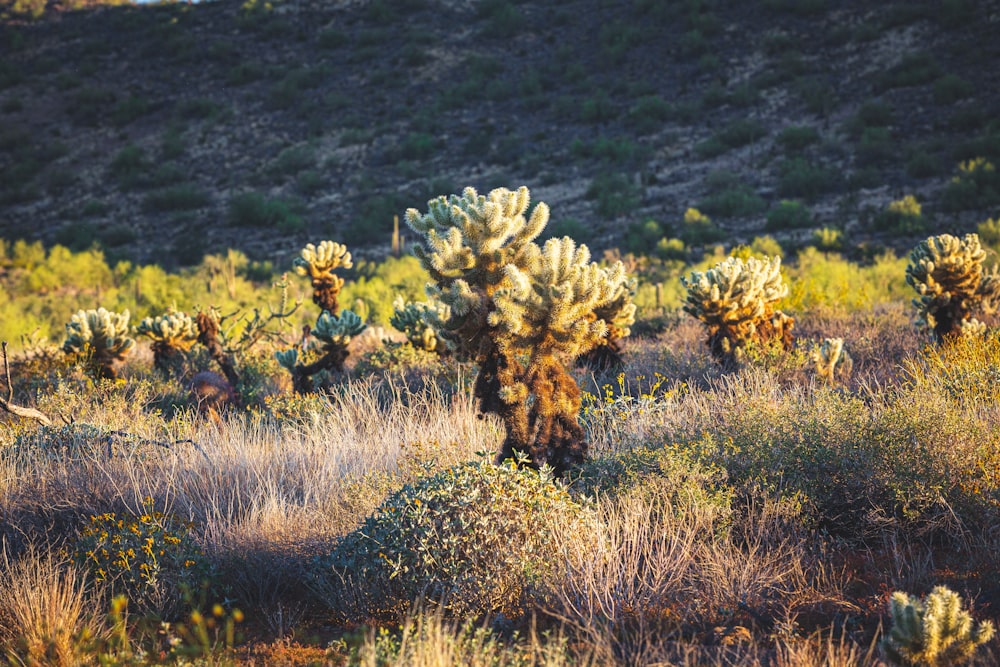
x,y
422,322
318,263
103,335
334,332
947,274
831,358
172,334
932,632
736,299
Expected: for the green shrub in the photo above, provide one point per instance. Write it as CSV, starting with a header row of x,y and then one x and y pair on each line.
x,y
641,237
90,105
649,114
913,69
797,137
612,150
615,195
254,209
149,557
951,88
176,198
802,179
474,537
697,229
502,18
976,185
292,160
817,94
736,134
788,215
903,216
797,7
923,165
598,109
737,201
332,38
199,108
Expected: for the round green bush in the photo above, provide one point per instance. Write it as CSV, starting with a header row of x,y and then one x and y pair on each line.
x,y
474,537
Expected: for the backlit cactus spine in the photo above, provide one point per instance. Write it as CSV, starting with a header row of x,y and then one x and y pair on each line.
x,y
318,263
736,300
935,631
952,286
522,312
421,323
334,333
103,336
172,333
831,359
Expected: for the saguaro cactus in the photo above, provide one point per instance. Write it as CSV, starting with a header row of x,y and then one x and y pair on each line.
x,y
103,335
935,631
172,334
318,263
947,273
736,299
522,312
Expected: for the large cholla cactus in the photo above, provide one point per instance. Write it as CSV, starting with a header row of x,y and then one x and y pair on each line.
x,y
103,335
334,333
318,264
522,312
947,273
421,323
736,300
933,631
172,334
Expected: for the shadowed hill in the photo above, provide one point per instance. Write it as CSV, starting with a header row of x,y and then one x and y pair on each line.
x,y
164,132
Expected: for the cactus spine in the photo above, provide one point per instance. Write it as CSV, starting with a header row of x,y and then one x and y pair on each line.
x,y
831,358
522,312
736,299
947,273
334,333
318,263
935,631
103,336
422,322
172,334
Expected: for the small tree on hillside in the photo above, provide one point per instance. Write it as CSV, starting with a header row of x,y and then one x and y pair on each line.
x,y
523,312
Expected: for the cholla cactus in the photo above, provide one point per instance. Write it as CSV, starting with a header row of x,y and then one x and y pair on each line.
x,y
171,333
334,332
935,631
736,299
522,312
947,273
103,335
318,264
831,358
421,323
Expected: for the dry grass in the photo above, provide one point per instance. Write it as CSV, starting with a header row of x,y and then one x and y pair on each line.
x,y
44,611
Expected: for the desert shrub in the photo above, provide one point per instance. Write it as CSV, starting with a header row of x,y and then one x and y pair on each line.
x,y
176,198
788,215
802,179
292,160
947,274
950,88
913,69
828,239
797,137
698,229
976,185
736,201
257,210
150,557
475,538
989,232
649,114
735,299
901,216
736,134
615,195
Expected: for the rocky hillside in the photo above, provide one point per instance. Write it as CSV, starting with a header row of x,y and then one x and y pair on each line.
x,y
164,132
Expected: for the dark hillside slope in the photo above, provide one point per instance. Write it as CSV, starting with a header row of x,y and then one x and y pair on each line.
x,y
168,131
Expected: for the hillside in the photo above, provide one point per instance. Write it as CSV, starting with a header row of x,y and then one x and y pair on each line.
x,y
165,132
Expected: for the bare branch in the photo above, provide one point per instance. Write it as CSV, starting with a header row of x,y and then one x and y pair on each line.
x,y
7,403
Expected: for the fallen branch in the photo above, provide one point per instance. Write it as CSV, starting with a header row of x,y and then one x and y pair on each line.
x,y
6,403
